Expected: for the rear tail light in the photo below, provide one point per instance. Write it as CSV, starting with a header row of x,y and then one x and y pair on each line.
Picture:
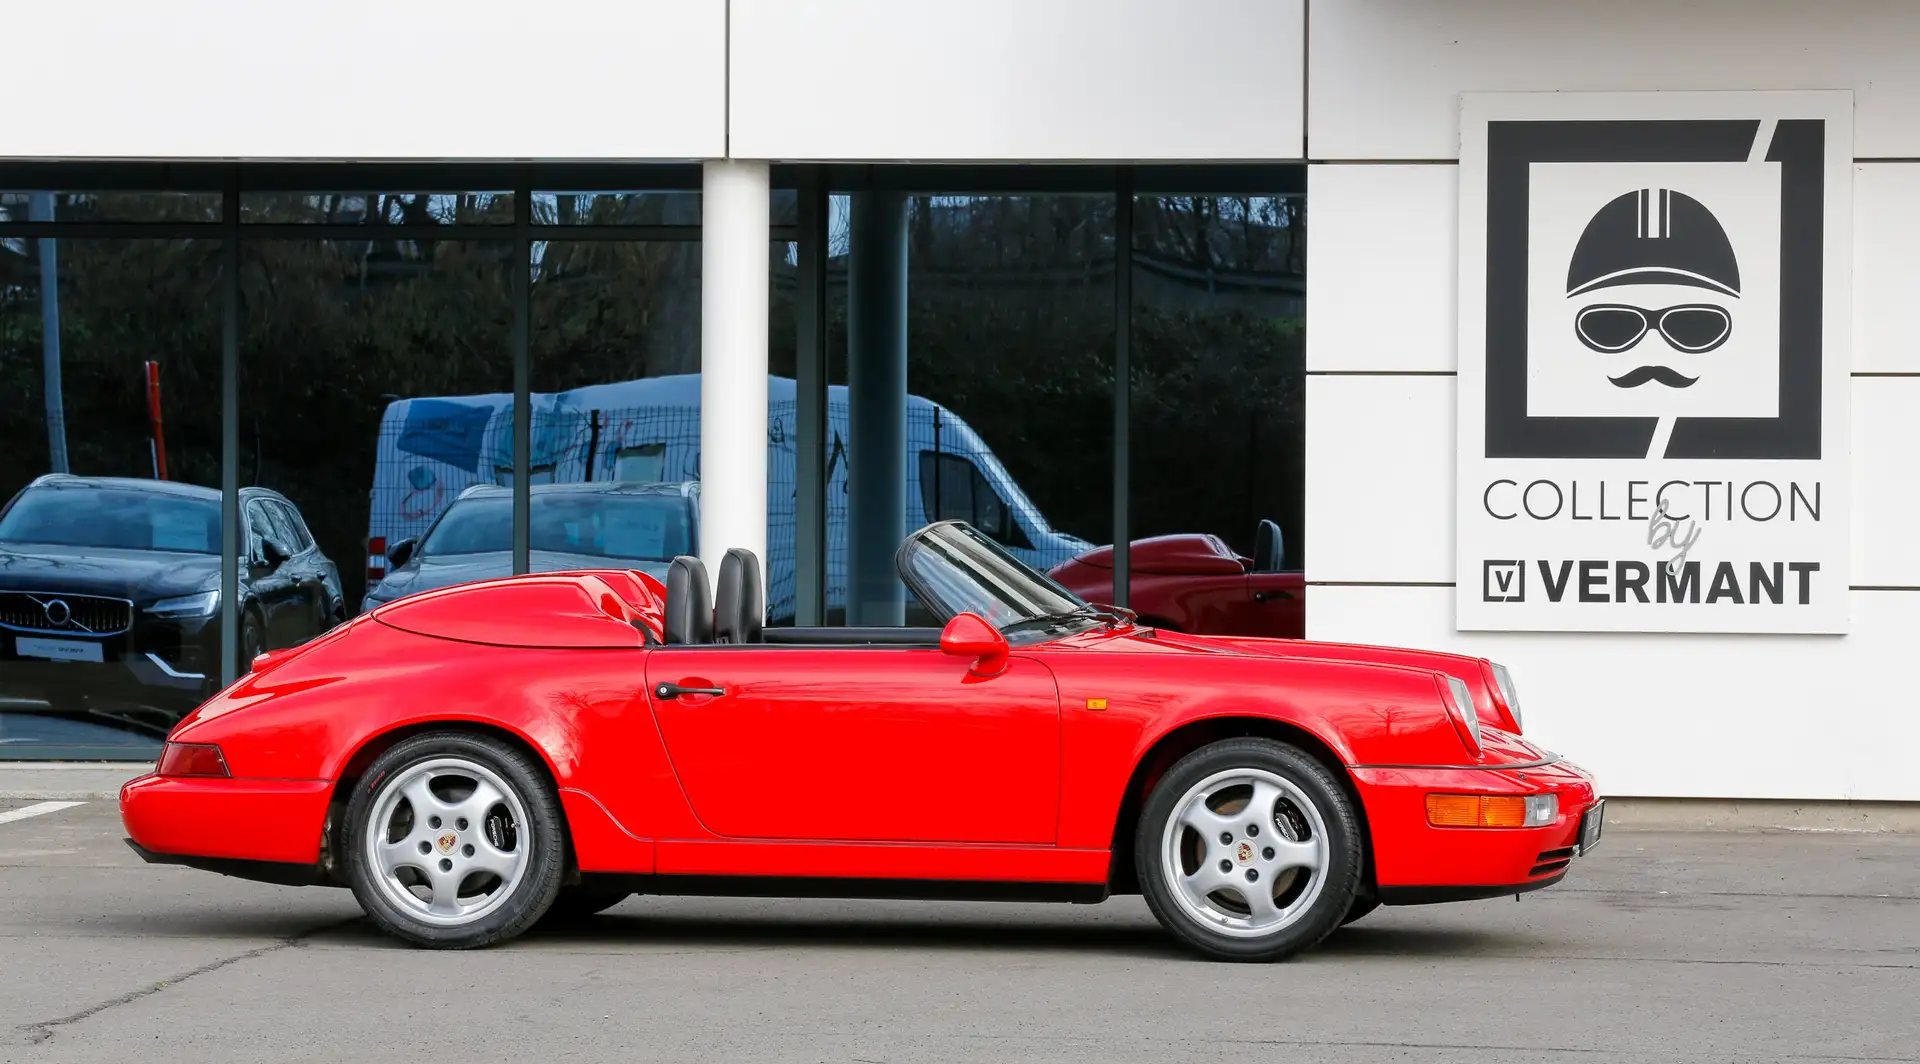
x,y
1492,811
192,759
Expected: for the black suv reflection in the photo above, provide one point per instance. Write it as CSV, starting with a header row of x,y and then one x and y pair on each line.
x,y
110,594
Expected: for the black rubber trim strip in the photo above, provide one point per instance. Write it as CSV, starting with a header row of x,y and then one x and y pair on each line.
x,y
281,872
725,886
1542,763
1438,895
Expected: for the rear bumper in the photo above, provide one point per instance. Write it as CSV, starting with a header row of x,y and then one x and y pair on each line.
x,y
1415,862
190,820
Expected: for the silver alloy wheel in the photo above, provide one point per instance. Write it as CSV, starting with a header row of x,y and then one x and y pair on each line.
x,y
448,841
1245,852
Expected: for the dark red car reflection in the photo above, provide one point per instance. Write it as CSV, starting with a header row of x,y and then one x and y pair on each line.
x,y
1194,582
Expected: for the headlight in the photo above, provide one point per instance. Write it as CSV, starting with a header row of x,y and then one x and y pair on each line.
x,y
1542,809
186,606
1504,680
1463,710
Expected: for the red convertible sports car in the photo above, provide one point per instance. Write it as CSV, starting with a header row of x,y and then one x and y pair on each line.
x,y
474,759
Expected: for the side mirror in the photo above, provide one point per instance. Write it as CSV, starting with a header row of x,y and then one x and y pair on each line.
x,y
272,554
970,636
398,554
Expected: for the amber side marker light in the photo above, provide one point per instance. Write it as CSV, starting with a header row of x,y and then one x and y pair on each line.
x,y
192,759
1491,811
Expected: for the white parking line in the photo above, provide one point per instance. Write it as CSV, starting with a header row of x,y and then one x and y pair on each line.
x,y
36,809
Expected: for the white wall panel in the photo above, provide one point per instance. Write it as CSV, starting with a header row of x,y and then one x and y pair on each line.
x,y
1380,478
1383,261
1886,483
366,79
1886,265
1017,79
1802,717
1381,469
1386,74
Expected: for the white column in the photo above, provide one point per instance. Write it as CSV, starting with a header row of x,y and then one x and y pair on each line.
x,y
734,266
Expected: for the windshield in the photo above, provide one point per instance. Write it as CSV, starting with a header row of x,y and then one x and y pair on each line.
x,y
114,519
602,525
954,569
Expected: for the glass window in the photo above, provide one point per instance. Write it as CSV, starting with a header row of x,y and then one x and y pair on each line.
x,y
376,384
678,207
110,372
613,524
955,569
109,206
259,528
1218,412
87,515
1010,336
953,488
296,527
377,208
283,530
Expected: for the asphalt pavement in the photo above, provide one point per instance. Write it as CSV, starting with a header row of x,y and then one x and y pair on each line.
x,y
1658,947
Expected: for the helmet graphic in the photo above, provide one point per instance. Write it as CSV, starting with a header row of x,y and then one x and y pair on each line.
x,y
1654,236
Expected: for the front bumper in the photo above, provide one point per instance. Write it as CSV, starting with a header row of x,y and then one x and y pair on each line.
x,y
1416,862
199,819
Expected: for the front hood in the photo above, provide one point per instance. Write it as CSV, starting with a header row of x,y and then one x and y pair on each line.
x,y
429,573
132,574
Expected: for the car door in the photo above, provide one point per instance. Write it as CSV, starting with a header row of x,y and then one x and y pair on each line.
x,y
1276,605
274,589
895,744
310,600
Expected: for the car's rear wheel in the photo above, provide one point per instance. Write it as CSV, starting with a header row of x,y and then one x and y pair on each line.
x,y
1248,850
454,841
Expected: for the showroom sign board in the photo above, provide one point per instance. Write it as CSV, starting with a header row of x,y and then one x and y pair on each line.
x,y
1654,359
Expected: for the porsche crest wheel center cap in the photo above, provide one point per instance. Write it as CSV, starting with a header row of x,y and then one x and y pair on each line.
x,y
446,842
1243,852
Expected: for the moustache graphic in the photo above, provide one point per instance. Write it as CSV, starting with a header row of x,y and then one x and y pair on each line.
x,y
1658,374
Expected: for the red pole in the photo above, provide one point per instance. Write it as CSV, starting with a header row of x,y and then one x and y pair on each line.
x,y
159,438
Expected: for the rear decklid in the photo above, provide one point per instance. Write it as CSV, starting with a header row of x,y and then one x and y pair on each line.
x,y
585,610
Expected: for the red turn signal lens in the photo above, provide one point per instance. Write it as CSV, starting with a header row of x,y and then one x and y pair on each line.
x,y
192,759
1476,811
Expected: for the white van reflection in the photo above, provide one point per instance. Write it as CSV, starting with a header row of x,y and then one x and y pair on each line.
x,y
431,450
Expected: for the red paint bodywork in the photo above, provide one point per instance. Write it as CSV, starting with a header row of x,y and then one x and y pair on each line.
x,y
880,762
1194,583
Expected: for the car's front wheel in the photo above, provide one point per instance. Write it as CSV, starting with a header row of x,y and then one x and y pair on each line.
x,y
1249,850
454,841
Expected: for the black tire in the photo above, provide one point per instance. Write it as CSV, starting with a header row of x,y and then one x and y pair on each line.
x,y
1344,844
584,901
253,639
545,858
1361,906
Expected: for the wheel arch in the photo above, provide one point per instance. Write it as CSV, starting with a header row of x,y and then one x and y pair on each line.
x,y
380,742
1192,735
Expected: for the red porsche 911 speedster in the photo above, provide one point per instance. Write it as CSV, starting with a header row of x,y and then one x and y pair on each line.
x,y
475,759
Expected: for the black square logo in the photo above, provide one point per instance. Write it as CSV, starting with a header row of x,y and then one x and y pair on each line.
x,y
1650,273
1504,581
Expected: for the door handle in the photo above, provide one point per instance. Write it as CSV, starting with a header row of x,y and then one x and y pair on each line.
x,y
1263,596
667,691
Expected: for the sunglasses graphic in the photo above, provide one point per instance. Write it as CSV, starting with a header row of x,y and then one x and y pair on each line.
x,y
1693,327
